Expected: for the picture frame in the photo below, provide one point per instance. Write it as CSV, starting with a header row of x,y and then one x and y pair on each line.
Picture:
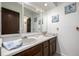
x,y
39,22
55,19
35,19
71,8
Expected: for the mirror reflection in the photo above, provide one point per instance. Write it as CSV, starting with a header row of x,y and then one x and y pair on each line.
x,y
22,17
11,13
32,18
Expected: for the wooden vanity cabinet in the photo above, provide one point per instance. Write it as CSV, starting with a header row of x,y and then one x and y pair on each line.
x,y
34,51
47,48
52,46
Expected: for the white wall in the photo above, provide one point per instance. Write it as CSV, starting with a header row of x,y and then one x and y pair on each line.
x,y
45,18
68,36
0,17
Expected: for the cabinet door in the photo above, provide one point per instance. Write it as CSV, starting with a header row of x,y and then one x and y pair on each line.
x,y
51,50
34,51
46,51
52,46
46,48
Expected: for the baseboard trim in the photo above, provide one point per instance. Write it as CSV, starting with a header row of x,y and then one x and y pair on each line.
x,y
61,54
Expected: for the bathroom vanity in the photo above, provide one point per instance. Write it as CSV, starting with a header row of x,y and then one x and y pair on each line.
x,y
46,48
35,45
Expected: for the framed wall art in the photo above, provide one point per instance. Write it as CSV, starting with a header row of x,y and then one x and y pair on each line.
x,y
39,22
71,8
55,19
35,19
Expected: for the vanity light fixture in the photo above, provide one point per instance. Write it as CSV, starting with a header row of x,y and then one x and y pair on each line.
x,y
45,4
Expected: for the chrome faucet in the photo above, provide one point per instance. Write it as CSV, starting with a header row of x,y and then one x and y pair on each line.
x,y
44,33
25,37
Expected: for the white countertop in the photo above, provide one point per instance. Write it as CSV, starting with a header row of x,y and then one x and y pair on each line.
x,y
5,52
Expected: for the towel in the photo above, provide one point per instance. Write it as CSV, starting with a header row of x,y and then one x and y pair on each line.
x,y
10,45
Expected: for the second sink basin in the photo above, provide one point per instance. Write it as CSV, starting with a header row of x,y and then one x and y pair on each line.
x,y
29,41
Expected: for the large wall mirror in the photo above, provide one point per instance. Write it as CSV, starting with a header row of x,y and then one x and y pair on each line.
x,y
22,17
32,18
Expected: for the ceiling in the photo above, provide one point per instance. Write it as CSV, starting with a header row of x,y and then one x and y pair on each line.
x,y
39,6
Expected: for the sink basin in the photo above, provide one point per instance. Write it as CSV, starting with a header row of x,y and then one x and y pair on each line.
x,y
48,35
38,36
29,41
